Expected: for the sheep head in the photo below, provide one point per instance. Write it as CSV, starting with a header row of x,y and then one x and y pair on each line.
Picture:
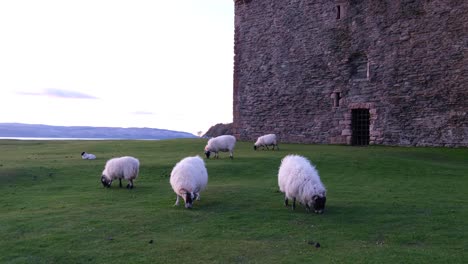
x,y
318,203
189,197
207,153
106,182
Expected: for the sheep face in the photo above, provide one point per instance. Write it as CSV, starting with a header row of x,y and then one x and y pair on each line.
x,y
318,203
189,198
82,153
207,153
106,182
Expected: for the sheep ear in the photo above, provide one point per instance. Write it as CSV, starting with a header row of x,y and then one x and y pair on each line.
x,y
183,191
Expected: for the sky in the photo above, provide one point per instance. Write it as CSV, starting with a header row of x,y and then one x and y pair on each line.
x,y
117,63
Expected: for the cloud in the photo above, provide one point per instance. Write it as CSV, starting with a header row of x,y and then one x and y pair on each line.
x,y
60,93
142,113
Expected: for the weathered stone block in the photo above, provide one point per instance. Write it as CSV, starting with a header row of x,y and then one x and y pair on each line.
x,y
346,132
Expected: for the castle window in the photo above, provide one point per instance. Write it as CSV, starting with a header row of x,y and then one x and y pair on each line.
x,y
336,99
338,12
359,67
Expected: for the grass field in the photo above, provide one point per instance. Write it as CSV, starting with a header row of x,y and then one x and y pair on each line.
x,y
384,205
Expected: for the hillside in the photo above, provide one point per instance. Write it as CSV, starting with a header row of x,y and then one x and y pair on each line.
x,y
29,130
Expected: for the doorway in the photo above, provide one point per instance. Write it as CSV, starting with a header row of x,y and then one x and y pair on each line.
x,y
360,121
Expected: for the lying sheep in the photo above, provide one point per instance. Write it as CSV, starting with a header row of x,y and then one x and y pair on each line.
x,y
188,178
223,143
298,179
265,141
89,156
120,168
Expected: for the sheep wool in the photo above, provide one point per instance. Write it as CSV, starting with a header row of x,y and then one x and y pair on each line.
x,y
224,143
188,178
88,156
298,179
265,141
120,168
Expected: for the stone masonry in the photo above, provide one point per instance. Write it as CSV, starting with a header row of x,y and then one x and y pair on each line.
x,y
302,66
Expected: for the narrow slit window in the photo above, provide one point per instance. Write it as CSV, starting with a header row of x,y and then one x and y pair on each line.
x,y
338,12
336,102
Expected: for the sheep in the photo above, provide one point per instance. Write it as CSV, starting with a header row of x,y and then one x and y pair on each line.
x,y
120,168
222,143
188,178
298,179
89,156
265,141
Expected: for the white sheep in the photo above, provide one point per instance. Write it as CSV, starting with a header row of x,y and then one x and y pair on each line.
x,y
222,143
298,179
89,156
188,178
265,141
120,168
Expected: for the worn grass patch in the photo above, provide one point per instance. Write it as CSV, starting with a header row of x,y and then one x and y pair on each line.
x,y
384,205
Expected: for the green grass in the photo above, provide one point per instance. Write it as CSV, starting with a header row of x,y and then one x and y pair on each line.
x,y
385,205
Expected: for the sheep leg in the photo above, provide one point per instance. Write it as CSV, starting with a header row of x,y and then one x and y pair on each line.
x,y
286,201
198,196
294,203
120,183
267,147
231,155
177,201
130,184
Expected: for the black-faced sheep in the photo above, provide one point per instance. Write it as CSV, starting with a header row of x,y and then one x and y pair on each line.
x,y
88,156
222,143
120,168
265,141
188,178
298,179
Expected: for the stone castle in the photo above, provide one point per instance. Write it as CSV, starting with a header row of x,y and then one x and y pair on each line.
x,y
391,72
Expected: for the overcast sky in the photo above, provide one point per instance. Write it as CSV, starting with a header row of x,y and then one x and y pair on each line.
x,y
127,63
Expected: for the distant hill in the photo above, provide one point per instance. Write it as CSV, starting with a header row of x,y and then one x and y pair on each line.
x,y
29,130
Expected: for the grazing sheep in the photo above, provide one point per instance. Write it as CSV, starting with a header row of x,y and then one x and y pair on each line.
x,y
89,156
298,179
120,168
265,141
188,178
223,143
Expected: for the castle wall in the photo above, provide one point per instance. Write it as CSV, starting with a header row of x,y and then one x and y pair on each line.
x,y
300,69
